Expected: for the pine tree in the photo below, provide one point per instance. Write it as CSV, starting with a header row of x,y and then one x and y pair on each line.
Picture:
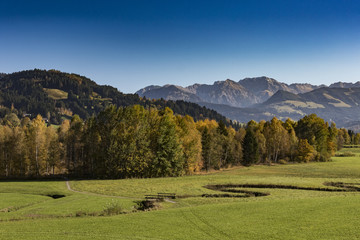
x,y
206,148
250,148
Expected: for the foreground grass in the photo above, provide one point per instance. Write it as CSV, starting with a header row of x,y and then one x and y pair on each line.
x,y
284,214
30,200
324,218
307,175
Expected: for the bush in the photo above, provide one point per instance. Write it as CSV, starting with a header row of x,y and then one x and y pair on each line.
x,y
144,205
282,161
112,208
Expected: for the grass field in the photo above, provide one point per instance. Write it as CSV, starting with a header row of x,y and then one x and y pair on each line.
x,y
56,94
27,210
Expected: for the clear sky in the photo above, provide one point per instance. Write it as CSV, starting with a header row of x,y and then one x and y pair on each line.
x,y
134,43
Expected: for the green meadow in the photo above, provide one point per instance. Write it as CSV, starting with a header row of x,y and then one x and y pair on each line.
x,y
29,211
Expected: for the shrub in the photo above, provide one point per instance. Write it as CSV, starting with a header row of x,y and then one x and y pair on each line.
x,y
144,205
112,208
282,161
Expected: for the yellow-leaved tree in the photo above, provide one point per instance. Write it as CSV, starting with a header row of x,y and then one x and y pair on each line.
x,y
36,151
190,139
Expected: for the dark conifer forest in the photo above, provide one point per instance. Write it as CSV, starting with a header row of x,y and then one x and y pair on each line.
x,y
54,94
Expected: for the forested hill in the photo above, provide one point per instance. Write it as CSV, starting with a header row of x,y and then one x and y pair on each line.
x,y
55,94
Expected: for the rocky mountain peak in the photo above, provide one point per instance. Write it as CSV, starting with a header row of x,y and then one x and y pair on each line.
x,y
148,88
345,85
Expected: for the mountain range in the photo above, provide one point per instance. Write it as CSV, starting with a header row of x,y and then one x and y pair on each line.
x,y
243,93
262,98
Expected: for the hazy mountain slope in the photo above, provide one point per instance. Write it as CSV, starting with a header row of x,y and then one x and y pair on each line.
x,y
148,88
226,92
337,104
263,87
221,92
335,97
340,105
280,95
169,92
303,87
244,93
263,98
242,115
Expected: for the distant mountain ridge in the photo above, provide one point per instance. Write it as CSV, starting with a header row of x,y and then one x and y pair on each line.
x,y
243,93
345,85
340,105
263,98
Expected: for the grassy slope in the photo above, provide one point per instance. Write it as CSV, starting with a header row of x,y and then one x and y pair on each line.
x,y
31,201
285,214
56,93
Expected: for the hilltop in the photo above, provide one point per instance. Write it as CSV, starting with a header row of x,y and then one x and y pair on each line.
x,y
55,95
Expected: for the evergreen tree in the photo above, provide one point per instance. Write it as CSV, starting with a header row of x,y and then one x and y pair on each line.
x,y
250,148
206,145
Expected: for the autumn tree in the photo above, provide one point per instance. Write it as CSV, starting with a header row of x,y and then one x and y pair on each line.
x,y
305,152
292,139
332,139
190,139
54,150
168,157
36,143
315,131
277,141
134,149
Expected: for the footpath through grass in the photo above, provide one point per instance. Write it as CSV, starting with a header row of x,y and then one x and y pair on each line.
x,y
26,212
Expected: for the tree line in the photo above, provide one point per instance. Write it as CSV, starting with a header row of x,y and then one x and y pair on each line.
x,y
140,142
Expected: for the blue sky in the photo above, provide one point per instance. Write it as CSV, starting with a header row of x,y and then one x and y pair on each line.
x,y
134,43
